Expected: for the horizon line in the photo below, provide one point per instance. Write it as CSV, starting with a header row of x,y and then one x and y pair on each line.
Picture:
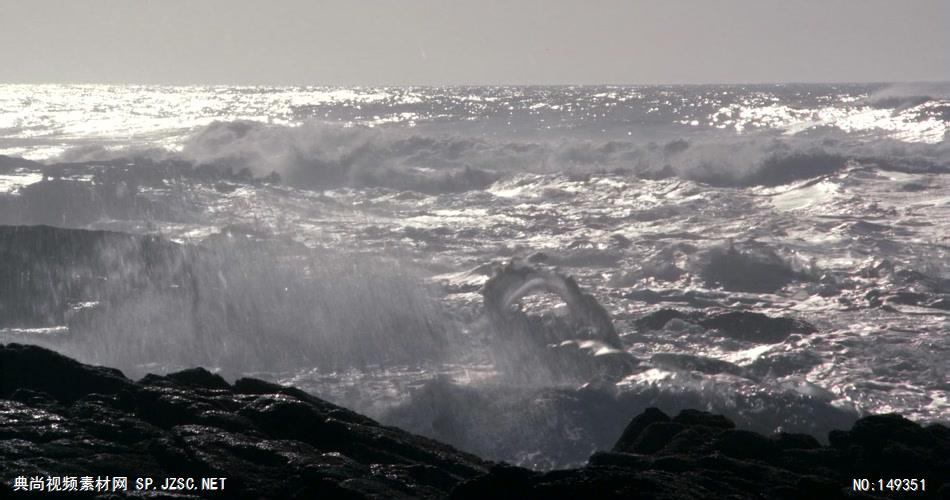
x,y
434,85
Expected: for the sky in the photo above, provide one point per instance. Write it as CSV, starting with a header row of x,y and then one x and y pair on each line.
x,y
439,42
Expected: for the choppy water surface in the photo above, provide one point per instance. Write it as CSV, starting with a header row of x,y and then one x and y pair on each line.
x,y
628,189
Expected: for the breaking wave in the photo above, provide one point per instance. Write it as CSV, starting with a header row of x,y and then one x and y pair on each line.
x,y
443,140
323,156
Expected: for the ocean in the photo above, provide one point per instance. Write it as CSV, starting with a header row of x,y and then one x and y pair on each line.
x,y
345,235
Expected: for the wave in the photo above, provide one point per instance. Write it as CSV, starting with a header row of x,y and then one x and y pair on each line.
x,y
900,96
320,155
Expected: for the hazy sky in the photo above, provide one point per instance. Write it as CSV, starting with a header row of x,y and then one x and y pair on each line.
x,y
366,42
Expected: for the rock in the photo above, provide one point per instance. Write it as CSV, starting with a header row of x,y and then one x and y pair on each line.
x,y
504,479
746,444
700,455
740,325
656,320
755,271
782,363
199,377
58,416
637,426
943,304
655,437
906,298
795,441
693,362
703,419
756,327
648,296
892,446
64,379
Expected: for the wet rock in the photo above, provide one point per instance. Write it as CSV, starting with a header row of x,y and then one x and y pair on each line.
x,y
907,298
890,444
658,319
943,304
929,281
756,327
703,419
740,325
199,377
782,363
655,437
64,379
648,296
700,455
755,270
693,362
746,444
58,416
795,441
637,426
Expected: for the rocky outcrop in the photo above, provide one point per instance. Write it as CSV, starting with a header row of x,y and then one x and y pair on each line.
x,y
701,455
754,270
60,417
740,325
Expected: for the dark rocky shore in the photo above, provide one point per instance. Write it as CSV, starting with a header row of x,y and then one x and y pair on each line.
x,y
60,417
